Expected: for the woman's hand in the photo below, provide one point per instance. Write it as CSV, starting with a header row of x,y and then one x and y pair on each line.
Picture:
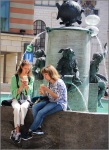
x,y
24,81
24,85
41,92
42,89
45,89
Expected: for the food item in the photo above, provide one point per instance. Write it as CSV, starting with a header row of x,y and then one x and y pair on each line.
x,y
25,78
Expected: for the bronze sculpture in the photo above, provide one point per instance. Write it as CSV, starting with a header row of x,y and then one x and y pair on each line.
x,y
39,64
69,12
98,78
39,53
68,69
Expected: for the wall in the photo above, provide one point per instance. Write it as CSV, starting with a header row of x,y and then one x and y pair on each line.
x,y
63,130
47,14
21,16
10,67
12,45
1,67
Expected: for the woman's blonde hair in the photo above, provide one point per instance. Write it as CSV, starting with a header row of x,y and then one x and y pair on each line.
x,y
52,72
22,64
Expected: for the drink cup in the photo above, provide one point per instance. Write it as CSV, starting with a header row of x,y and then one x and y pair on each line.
x,y
25,79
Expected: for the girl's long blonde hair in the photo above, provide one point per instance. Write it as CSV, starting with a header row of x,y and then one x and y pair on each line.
x,y
52,72
23,63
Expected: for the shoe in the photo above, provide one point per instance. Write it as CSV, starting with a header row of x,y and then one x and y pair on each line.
x,y
13,133
18,137
38,131
27,136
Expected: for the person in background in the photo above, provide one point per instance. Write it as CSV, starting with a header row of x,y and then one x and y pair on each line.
x,y
21,92
56,92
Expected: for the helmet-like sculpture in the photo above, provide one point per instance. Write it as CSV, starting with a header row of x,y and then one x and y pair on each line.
x,y
69,12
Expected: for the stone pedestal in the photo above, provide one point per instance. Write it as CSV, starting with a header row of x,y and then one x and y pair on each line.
x,y
79,40
93,96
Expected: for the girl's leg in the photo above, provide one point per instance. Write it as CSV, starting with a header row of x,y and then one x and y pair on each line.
x,y
24,109
55,109
52,111
16,107
42,113
38,106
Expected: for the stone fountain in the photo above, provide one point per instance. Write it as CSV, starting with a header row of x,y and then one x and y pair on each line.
x,y
83,96
78,39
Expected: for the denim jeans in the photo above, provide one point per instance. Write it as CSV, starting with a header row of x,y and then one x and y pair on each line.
x,y
41,110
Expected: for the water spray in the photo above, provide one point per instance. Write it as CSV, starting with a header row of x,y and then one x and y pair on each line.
x,y
29,47
81,96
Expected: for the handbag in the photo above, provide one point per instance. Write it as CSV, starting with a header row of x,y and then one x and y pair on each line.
x,y
23,98
37,99
6,102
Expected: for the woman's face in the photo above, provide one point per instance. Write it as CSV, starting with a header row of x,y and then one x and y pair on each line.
x,y
46,76
25,69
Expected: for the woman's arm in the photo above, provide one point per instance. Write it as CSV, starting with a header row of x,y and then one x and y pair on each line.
x,y
14,89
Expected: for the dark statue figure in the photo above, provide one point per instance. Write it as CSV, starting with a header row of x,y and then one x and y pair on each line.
x,y
39,64
39,53
68,69
98,78
69,12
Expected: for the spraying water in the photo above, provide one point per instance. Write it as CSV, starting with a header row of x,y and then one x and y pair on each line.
x,y
37,37
104,62
81,96
29,47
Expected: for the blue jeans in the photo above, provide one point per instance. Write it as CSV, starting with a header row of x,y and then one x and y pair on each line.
x,y
41,110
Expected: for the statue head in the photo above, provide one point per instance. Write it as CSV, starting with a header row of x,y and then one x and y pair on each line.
x,y
40,62
68,53
98,57
39,53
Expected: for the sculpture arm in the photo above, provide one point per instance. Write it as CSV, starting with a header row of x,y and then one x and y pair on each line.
x,y
105,50
77,74
76,70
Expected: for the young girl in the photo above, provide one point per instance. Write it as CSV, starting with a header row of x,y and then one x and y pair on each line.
x,y
57,99
21,93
